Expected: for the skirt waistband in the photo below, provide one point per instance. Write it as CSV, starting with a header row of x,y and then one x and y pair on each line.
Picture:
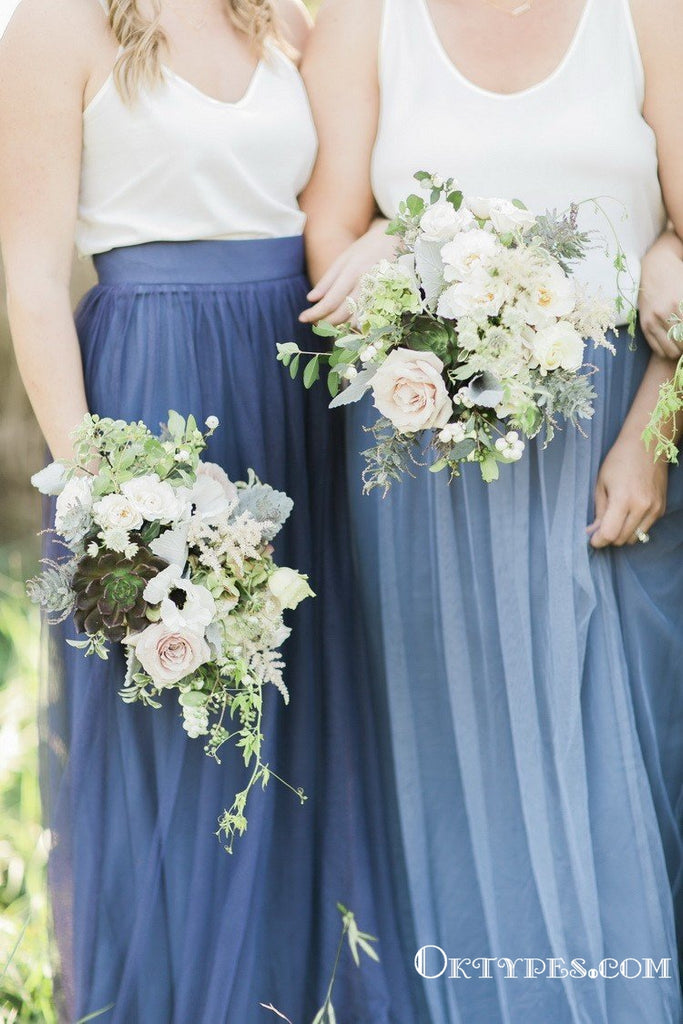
x,y
198,263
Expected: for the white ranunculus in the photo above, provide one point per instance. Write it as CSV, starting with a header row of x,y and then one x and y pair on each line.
x,y
442,222
409,390
74,501
467,253
50,480
552,296
289,587
156,500
168,655
508,218
481,295
559,346
114,511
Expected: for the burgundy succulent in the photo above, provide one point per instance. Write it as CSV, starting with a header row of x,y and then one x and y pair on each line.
x,y
109,593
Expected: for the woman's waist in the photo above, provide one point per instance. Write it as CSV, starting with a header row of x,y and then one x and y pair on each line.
x,y
230,262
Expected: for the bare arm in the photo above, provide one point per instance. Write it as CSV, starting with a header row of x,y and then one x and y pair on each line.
x,y
42,78
344,238
631,489
296,23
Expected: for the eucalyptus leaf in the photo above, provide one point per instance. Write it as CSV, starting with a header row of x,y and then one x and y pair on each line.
x,y
356,389
325,330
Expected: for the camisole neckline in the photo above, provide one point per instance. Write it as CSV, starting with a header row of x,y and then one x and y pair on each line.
x,y
189,87
519,93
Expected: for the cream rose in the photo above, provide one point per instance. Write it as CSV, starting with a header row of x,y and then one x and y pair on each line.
x,y
468,252
507,218
442,221
558,347
155,500
481,295
167,656
115,511
552,295
409,390
288,587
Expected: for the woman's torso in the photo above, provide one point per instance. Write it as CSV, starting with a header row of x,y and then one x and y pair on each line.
x,y
576,135
176,164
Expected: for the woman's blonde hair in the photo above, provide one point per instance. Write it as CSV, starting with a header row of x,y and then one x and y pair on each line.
x,y
142,39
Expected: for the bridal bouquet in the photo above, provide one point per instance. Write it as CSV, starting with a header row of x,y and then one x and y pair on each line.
x,y
171,559
469,341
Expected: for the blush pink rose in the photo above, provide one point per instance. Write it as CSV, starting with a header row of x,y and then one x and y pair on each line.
x,y
409,390
167,656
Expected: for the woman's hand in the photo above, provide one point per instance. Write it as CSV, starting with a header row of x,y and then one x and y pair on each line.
x,y
340,282
661,293
630,494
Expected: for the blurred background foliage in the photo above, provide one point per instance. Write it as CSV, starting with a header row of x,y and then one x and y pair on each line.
x,y
25,971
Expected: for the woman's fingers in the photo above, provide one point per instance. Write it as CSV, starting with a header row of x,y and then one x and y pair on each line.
x,y
334,299
656,326
610,524
621,521
600,507
328,278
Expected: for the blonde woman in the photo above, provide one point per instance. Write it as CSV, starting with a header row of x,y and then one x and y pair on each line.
x,y
533,669
171,139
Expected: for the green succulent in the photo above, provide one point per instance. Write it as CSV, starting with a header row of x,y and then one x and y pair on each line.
x,y
109,593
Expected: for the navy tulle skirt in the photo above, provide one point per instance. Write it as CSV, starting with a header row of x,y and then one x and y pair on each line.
x,y
153,919
533,693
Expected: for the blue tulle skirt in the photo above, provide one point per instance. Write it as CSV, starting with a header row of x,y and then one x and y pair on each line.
x,y
532,690
153,919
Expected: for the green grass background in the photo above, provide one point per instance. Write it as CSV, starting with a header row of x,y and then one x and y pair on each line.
x,y
25,972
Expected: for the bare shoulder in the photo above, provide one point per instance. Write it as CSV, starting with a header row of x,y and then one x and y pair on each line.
x,y
348,26
45,34
296,22
357,16
659,27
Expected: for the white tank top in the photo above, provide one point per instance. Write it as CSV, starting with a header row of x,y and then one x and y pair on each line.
x,y
178,165
579,133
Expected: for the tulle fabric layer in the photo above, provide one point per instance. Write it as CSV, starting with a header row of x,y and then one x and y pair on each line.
x,y
533,690
152,917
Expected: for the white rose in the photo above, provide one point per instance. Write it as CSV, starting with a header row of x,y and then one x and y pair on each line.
x,y
442,221
468,252
76,497
481,206
289,587
508,218
552,296
481,295
558,346
409,390
50,480
115,510
168,656
155,500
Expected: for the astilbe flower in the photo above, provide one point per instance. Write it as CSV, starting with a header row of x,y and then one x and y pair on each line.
x,y
109,593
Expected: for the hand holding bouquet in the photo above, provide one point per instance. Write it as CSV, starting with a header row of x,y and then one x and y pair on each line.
x,y
471,340
170,558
